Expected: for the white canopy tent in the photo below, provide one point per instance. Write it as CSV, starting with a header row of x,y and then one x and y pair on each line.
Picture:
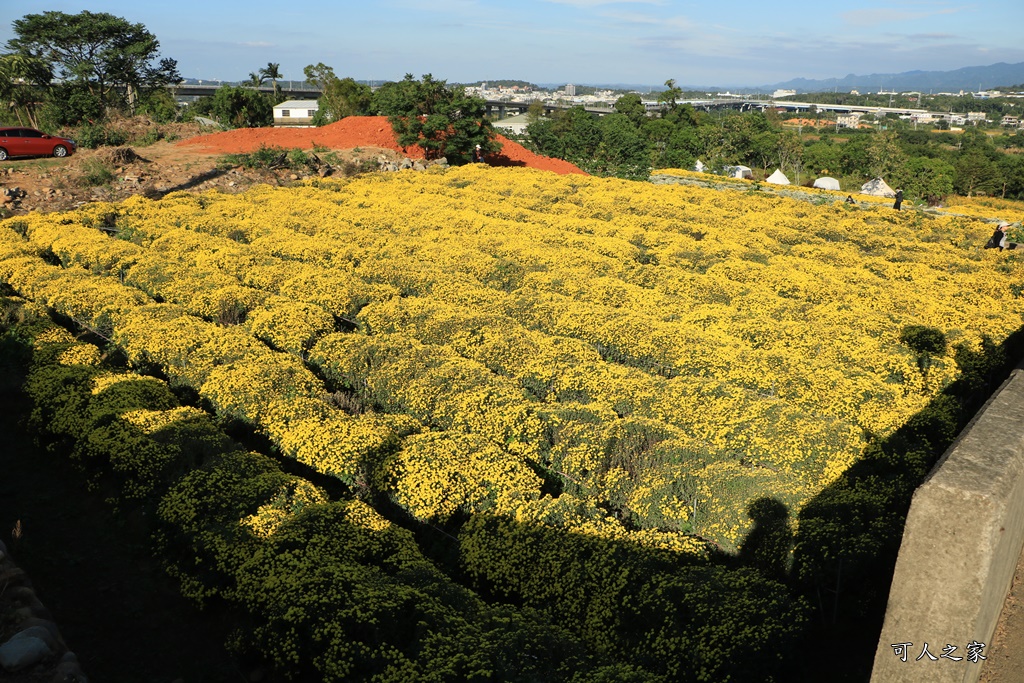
x,y
777,178
877,188
826,183
738,172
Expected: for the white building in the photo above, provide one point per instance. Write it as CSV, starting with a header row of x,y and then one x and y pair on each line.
x,y
295,113
515,124
850,120
570,90
783,93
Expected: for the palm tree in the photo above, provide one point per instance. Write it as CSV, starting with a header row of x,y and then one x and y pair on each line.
x,y
22,80
255,80
272,72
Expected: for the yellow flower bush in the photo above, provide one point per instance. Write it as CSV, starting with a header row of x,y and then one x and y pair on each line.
x,y
290,499
993,208
670,351
80,355
441,473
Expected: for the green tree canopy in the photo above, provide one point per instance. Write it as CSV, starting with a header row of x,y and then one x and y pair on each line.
x,y
240,107
976,173
632,107
887,157
823,158
441,119
1011,175
340,97
23,79
929,179
113,58
623,153
670,95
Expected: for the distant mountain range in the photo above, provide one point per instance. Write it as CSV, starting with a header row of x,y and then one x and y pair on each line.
x,y
968,79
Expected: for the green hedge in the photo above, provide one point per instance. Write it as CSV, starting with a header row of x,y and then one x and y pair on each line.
x,y
325,590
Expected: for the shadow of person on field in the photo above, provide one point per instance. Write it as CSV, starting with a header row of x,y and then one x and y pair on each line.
x,y
154,192
768,544
501,159
849,535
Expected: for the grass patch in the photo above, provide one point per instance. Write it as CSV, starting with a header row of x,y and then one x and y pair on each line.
x,y
96,172
311,162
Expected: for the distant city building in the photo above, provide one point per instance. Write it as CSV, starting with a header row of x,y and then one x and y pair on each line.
x,y
570,90
1010,121
851,120
854,92
783,93
515,124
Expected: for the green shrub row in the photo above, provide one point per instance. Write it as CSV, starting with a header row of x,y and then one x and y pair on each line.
x,y
685,620
331,590
326,590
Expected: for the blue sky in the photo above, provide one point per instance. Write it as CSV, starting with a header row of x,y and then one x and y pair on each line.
x,y
709,43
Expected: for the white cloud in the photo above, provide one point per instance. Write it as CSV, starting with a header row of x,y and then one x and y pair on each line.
x,y
887,15
638,18
599,3
929,37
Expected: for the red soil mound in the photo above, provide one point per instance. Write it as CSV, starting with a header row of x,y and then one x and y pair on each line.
x,y
352,132
514,154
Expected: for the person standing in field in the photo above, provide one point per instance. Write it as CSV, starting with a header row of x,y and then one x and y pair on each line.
x,y
478,155
899,200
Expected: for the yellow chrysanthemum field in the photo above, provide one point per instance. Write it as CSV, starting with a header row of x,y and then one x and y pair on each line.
x,y
618,358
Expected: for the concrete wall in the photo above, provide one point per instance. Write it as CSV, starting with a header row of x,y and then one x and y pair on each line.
x,y
293,121
961,543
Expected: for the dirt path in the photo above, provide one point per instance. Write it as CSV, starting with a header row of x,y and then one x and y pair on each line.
x,y
48,185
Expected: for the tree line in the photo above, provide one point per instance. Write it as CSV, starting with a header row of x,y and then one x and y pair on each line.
x,y
927,164
62,71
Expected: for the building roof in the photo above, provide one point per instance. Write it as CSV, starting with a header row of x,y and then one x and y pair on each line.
x,y
512,121
298,104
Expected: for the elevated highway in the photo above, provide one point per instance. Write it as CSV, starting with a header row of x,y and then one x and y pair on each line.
x,y
301,90
293,90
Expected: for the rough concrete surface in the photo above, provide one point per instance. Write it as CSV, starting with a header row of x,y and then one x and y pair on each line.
x,y
1005,663
961,544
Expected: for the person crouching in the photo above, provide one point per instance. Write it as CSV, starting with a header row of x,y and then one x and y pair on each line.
x,y
999,239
